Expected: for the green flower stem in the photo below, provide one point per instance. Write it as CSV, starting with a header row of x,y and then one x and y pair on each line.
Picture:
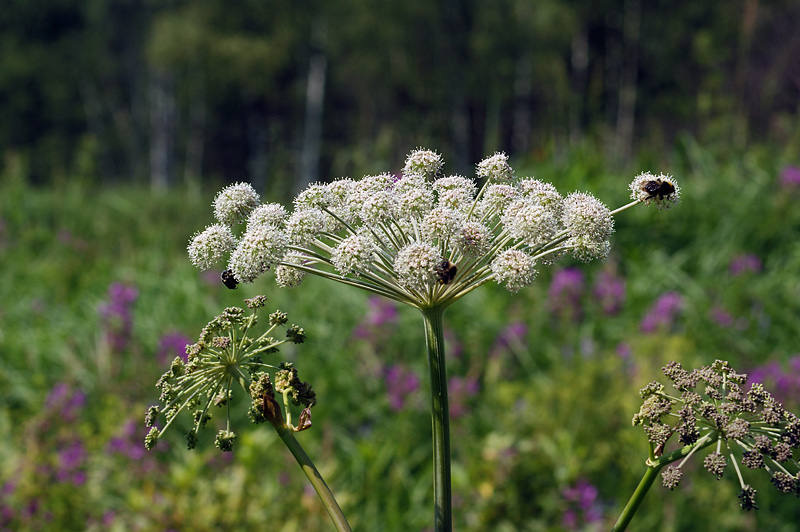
x,y
322,489
653,467
434,336
317,482
644,486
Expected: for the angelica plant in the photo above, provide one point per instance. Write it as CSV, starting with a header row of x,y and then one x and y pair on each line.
x,y
228,354
709,408
422,238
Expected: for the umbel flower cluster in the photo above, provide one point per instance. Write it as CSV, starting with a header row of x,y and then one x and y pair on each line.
x,y
711,408
422,238
224,355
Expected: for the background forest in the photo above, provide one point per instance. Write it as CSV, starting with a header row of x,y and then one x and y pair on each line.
x,y
120,119
290,92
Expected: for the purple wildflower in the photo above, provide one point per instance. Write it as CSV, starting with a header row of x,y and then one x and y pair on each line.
x,y
565,292
400,383
129,442
663,312
784,383
171,345
71,461
381,313
65,402
790,177
582,505
454,348
609,292
117,315
745,263
510,338
721,317
461,389
624,351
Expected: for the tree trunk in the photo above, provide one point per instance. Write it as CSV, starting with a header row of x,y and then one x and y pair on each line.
x,y
195,135
626,111
522,114
161,99
580,65
315,98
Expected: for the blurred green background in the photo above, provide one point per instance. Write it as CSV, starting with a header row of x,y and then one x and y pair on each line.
x,y
119,121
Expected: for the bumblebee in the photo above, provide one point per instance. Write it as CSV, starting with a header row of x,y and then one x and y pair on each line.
x,y
228,279
446,272
660,188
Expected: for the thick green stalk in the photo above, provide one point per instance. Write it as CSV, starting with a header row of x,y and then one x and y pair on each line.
x,y
434,337
324,493
653,467
636,499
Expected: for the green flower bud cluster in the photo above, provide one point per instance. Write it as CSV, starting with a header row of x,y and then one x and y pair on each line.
x,y
224,354
712,407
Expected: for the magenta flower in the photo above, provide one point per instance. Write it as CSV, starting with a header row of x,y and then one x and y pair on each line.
x,y
116,315
745,263
71,461
583,507
782,379
461,390
510,338
721,317
401,382
609,292
565,293
171,345
381,313
790,177
65,402
663,312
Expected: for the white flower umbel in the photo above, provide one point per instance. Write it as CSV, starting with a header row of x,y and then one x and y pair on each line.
x,y
427,240
659,189
234,203
211,246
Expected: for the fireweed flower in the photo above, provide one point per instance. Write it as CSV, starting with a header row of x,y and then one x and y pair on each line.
x,y
401,383
224,354
564,294
710,407
426,239
583,506
663,313
117,315
609,292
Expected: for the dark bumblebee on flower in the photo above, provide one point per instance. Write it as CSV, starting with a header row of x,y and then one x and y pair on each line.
x,y
660,188
228,279
446,271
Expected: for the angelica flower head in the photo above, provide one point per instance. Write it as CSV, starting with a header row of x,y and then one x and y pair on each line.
x,y
661,190
225,353
391,235
425,163
211,246
712,408
235,202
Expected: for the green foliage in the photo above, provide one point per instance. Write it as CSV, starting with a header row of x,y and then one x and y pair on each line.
x,y
551,403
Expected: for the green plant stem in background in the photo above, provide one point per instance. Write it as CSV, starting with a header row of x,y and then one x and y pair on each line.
x,y
314,477
440,413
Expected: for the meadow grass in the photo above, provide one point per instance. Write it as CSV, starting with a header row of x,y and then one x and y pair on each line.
x,y
546,381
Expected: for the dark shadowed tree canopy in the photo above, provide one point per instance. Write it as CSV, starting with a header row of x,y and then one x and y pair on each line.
x,y
285,92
